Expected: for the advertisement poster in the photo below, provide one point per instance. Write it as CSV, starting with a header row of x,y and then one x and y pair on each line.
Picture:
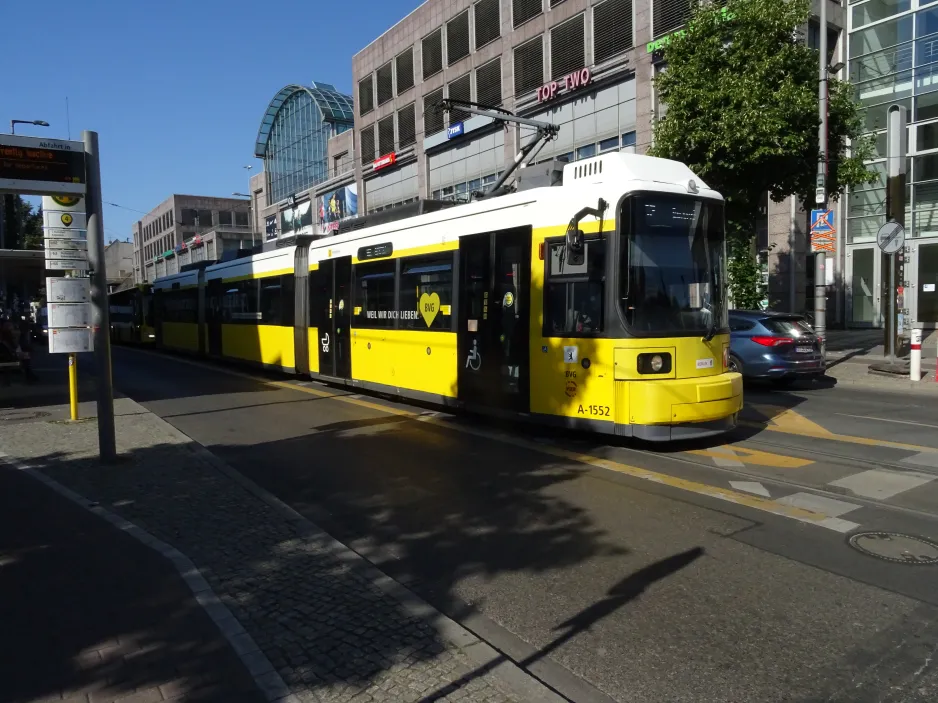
x,y
297,220
336,206
271,227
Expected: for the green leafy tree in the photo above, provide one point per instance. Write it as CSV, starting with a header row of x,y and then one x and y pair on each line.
x,y
741,88
23,225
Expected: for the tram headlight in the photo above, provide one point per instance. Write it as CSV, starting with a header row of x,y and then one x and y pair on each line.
x,y
654,363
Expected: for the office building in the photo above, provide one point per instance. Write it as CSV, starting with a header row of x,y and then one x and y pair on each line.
x,y
305,141
186,229
893,60
585,65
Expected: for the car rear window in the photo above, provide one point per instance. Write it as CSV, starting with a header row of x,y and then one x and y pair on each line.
x,y
793,326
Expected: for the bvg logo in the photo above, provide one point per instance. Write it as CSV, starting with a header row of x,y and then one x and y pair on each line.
x,y
67,219
429,307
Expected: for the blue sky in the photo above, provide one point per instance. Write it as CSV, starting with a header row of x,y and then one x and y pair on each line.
x,y
175,89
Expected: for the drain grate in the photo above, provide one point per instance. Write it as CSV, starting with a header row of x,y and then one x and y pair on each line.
x,y
895,547
20,415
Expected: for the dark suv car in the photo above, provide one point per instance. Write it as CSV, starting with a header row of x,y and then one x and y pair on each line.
x,y
774,345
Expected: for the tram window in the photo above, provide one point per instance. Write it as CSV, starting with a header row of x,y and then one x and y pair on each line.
x,y
180,306
427,289
373,297
240,302
573,300
277,304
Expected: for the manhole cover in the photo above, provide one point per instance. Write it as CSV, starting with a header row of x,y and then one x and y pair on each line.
x,y
892,546
9,415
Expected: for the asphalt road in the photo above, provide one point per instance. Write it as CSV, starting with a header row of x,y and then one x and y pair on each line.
x,y
715,571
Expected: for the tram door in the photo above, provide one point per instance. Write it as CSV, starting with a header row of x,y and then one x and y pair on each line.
x,y
331,292
215,291
494,326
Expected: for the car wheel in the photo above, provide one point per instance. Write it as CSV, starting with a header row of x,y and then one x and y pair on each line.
x,y
734,364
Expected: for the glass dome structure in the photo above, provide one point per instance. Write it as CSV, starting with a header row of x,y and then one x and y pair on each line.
x,y
294,135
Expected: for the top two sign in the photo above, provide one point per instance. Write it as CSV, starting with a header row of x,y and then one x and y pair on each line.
x,y
36,166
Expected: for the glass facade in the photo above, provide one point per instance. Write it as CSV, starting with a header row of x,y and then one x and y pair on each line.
x,y
294,135
893,59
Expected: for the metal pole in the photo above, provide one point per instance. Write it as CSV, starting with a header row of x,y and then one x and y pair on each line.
x,y
820,278
915,362
896,148
791,258
100,321
73,385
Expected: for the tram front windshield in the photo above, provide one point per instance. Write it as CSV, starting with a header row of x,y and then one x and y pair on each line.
x,y
672,269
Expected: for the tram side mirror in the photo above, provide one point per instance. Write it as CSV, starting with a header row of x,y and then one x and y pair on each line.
x,y
574,246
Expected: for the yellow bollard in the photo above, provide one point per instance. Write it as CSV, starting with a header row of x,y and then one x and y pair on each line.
x,y
73,384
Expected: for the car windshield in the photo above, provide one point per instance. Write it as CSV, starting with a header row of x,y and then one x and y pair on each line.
x,y
673,267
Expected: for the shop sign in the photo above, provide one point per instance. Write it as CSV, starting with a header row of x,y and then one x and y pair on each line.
x,y
384,161
570,82
658,44
456,130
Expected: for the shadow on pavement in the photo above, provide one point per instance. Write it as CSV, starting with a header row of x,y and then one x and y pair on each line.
x,y
86,609
627,590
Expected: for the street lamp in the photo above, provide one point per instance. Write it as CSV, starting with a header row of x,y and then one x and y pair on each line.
x,y
245,195
38,123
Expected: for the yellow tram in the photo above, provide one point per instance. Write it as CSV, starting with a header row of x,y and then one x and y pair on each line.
x,y
597,304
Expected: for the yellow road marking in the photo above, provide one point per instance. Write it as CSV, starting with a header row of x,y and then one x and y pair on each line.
x,y
724,494
753,456
787,421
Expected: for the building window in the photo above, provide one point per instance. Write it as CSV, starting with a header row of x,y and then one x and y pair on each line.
x,y
529,66
524,10
612,29
205,218
224,217
554,3
459,89
406,126
427,288
488,21
876,10
366,96
575,291
385,76
670,15
567,47
241,219
386,135
340,163
432,118
432,52
373,297
405,70
457,38
489,83
367,141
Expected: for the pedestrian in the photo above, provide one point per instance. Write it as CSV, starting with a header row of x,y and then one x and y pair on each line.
x,y
26,350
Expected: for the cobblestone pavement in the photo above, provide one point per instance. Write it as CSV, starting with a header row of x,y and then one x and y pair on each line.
x,y
319,614
90,614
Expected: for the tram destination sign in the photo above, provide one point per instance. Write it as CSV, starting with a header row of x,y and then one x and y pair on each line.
x,y
375,251
35,166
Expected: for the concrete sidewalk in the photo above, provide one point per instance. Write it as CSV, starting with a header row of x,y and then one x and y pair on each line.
x,y
90,614
310,619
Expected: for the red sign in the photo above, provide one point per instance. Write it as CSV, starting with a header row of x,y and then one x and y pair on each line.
x,y
572,81
384,161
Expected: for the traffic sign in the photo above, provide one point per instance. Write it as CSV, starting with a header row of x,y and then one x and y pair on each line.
x,y
891,237
821,222
822,231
